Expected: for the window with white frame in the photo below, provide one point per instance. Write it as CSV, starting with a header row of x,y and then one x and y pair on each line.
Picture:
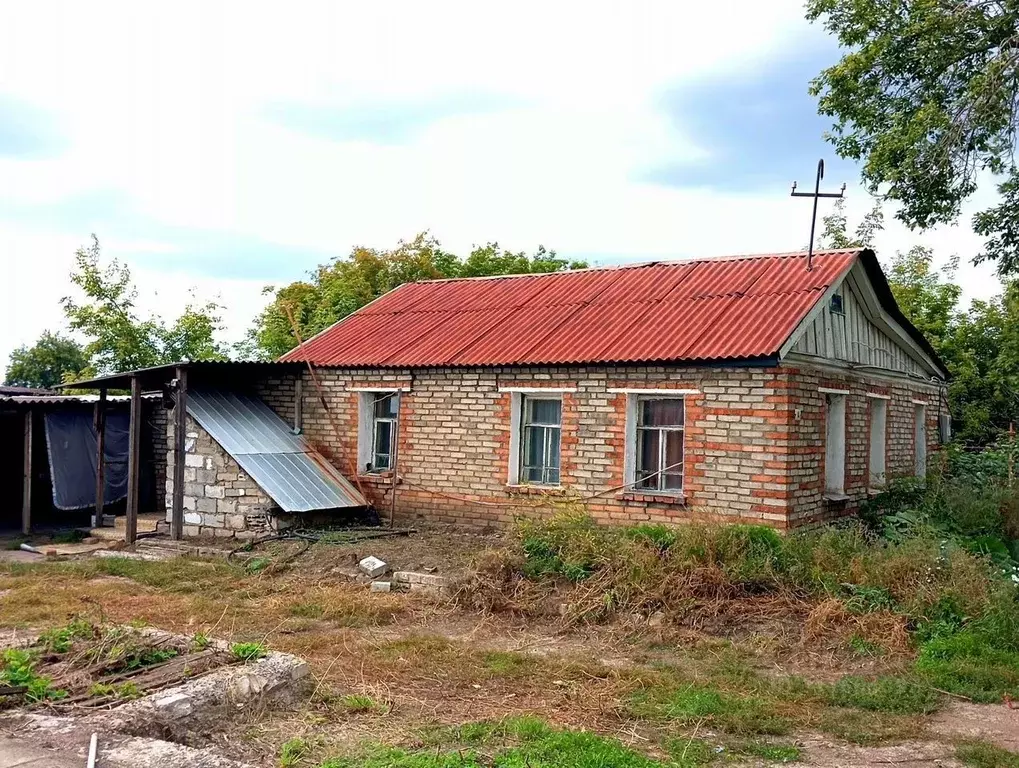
x,y
377,431
878,431
540,433
835,444
659,444
920,438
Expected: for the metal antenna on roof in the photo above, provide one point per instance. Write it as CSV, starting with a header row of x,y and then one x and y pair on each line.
x,y
816,194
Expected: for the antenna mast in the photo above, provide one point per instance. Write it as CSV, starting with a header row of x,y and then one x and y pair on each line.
x,y
816,194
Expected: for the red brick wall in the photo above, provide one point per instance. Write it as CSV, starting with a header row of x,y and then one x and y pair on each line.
x,y
754,440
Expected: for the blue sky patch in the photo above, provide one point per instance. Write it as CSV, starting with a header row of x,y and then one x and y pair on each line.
x,y
27,132
759,127
382,122
203,253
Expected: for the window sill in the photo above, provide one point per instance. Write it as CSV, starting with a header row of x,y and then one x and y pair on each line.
x,y
524,489
672,499
836,498
378,478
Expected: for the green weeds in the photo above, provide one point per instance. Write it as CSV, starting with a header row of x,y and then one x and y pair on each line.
x,y
247,651
17,669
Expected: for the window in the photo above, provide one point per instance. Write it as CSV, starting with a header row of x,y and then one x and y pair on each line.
x,y
377,433
659,445
540,430
878,430
835,445
837,307
920,438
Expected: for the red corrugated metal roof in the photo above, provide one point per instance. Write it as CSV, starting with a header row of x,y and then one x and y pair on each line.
x,y
712,309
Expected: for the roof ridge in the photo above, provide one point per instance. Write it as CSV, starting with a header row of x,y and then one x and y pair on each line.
x,y
677,261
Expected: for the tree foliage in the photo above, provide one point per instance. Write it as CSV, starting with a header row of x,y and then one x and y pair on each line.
x,y
927,97
105,313
337,289
45,363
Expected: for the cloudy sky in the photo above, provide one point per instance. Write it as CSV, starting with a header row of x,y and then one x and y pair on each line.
x,y
224,146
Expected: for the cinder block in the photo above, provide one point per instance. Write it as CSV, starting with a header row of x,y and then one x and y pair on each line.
x,y
215,492
373,566
194,460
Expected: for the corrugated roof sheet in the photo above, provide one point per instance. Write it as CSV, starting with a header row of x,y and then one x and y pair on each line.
x,y
293,474
684,311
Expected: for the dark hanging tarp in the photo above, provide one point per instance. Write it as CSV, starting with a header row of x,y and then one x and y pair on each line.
x,y
71,443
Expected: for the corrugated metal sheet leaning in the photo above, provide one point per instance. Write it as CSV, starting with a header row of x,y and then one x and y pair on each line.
x,y
292,473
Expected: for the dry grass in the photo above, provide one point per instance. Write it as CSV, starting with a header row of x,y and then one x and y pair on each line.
x,y
831,623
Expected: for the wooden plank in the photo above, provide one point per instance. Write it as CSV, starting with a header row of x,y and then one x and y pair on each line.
x,y
134,449
180,425
298,403
100,424
26,493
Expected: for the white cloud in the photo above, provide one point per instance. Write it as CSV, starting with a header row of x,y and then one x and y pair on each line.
x,y
166,109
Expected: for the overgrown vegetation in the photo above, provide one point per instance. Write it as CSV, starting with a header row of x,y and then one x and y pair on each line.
x,y
929,570
247,651
18,670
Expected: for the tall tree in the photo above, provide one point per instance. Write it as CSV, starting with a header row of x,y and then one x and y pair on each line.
x,y
118,340
336,290
45,363
927,97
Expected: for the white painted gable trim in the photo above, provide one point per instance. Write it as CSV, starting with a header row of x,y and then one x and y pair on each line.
x,y
856,278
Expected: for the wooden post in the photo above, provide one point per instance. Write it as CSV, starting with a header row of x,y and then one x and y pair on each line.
x,y
298,404
100,425
26,494
134,450
180,425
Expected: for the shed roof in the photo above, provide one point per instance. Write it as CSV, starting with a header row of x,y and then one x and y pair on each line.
x,y
738,308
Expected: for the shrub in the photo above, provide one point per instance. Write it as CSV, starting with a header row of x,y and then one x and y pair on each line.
x,y
17,669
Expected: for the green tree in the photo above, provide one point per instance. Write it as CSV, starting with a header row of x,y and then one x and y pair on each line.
x,y
927,97
118,340
46,363
337,289
836,227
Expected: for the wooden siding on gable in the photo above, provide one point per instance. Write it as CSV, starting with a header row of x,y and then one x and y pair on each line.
x,y
850,336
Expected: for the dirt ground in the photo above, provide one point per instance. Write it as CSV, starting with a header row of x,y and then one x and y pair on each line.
x,y
421,661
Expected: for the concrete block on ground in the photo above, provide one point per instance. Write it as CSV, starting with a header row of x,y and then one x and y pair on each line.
x,y
381,586
373,566
422,579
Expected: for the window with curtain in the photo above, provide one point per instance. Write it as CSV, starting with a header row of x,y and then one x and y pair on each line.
x,y
660,424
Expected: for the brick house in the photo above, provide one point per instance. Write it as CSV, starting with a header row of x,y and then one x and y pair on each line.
x,y
747,389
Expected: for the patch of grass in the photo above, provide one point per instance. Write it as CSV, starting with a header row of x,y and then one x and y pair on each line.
x,y
307,610
981,754
699,704
17,668
690,752
127,690
60,639
507,664
775,753
359,703
512,743
885,694
247,651
257,564
200,641
293,752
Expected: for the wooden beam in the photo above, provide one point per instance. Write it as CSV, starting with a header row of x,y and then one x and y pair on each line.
x,y
134,450
298,403
26,494
100,425
180,425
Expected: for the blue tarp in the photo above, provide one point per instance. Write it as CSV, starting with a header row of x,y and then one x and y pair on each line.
x,y
71,443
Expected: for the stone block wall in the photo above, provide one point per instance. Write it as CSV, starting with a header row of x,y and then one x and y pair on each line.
x,y
754,450
220,498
